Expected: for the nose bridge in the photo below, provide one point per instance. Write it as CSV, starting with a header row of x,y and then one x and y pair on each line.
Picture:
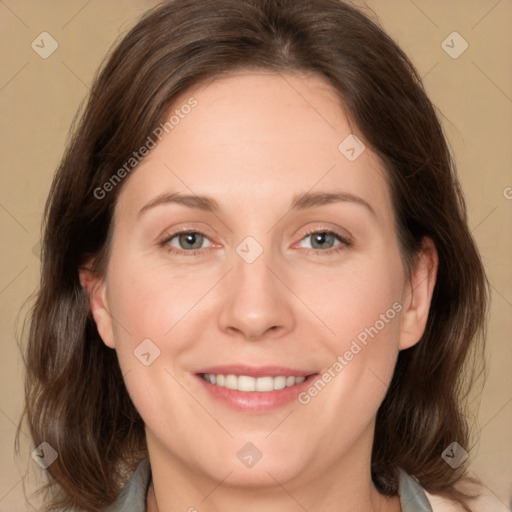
x,y
256,300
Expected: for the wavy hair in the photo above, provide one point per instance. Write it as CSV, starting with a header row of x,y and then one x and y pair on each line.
x,y
76,399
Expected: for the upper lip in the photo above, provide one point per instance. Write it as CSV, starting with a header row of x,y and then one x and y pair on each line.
x,y
256,371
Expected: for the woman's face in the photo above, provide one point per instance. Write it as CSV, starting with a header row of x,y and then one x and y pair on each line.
x,y
263,160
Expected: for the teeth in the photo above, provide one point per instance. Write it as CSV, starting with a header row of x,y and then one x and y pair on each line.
x,y
246,383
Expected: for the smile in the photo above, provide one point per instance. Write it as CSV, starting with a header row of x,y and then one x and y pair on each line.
x,y
247,383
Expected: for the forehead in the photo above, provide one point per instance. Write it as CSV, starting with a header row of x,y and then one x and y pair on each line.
x,y
254,137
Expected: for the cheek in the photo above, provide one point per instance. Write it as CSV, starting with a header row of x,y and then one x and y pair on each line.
x,y
152,304
365,297
363,309
155,306
149,292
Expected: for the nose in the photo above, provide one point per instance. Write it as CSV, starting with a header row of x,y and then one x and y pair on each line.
x,y
257,303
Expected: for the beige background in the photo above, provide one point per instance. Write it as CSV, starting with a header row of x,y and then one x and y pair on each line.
x,y
38,98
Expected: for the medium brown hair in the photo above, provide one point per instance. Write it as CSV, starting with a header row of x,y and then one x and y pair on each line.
x,y
76,399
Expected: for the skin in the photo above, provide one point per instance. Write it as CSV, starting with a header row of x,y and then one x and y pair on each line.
x,y
254,140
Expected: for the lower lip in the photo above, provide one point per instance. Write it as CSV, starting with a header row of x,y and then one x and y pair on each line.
x,y
256,401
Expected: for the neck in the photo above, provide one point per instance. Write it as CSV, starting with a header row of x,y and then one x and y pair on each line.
x,y
379,504
345,486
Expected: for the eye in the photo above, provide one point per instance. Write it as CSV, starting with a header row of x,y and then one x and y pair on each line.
x,y
323,241
190,243
187,242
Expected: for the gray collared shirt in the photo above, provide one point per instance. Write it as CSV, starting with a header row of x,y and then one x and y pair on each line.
x,y
133,495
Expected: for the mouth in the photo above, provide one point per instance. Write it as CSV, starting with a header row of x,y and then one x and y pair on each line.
x,y
255,390
246,383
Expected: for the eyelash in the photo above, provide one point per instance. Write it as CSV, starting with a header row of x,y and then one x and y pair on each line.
x,y
333,250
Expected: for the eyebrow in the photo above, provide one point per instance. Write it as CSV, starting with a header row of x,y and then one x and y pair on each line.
x,y
300,201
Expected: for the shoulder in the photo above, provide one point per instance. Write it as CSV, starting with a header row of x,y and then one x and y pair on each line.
x,y
485,502
441,504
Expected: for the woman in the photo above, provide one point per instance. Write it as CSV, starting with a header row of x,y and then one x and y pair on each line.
x,y
247,369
